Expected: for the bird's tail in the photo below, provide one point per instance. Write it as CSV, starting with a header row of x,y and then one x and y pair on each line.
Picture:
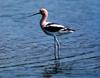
x,y
68,30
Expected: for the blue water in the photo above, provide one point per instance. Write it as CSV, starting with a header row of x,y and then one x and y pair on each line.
x,y
26,52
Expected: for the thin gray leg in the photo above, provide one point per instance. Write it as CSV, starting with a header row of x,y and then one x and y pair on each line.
x,y
56,49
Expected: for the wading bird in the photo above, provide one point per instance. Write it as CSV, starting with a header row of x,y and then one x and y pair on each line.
x,y
52,29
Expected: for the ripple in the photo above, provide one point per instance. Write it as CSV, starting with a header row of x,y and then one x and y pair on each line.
x,y
26,52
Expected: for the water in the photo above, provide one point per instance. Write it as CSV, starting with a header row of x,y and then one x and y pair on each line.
x,y
26,52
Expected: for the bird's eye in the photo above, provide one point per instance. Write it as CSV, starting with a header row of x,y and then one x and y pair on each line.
x,y
42,12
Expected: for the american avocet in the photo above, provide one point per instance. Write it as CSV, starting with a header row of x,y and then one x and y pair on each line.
x,y
52,29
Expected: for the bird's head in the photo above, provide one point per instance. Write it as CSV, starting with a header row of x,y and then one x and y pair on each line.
x,y
42,11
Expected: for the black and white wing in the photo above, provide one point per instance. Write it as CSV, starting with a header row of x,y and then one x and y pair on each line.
x,y
53,27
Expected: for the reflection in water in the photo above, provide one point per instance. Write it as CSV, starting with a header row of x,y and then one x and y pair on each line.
x,y
55,69
50,71
84,67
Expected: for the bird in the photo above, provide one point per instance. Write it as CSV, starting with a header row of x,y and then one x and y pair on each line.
x,y
52,29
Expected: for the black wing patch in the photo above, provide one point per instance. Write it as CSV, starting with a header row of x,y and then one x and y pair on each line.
x,y
53,29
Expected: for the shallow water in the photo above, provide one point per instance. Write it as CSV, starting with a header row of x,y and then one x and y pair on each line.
x,y
26,52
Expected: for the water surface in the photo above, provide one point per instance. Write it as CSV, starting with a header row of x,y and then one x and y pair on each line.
x,y
26,52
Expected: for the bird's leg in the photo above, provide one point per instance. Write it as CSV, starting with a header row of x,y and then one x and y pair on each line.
x,y
58,48
55,54
56,51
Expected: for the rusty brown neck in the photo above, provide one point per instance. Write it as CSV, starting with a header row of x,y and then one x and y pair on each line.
x,y
43,20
